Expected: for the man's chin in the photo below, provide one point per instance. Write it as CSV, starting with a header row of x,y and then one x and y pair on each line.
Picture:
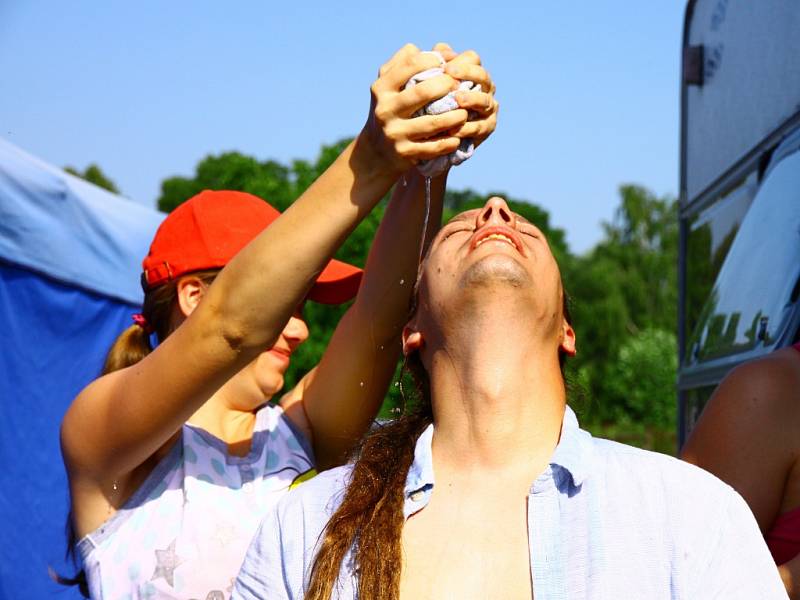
x,y
496,270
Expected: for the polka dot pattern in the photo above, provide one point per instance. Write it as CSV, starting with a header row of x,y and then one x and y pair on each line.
x,y
193,519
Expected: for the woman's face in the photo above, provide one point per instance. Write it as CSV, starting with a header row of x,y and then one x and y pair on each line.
x,y
263,377
269,368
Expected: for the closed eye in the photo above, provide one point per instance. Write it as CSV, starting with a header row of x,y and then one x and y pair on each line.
x,y
450,232
530,230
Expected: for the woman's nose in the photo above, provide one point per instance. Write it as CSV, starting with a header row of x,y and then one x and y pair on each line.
x,y
295,332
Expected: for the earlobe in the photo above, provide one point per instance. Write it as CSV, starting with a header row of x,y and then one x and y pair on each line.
x,y
412,340
568,340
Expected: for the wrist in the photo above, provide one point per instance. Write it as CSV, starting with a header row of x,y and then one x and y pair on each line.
x,y
368,159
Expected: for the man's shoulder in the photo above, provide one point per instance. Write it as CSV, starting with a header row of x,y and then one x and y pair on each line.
x,y
319,495
651,472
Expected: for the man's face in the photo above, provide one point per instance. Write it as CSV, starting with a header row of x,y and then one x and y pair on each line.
x,y
486,256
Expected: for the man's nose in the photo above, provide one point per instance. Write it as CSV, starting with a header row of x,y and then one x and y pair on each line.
x,y
495,212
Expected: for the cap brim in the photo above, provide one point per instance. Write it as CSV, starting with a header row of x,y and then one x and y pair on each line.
x,y
337,283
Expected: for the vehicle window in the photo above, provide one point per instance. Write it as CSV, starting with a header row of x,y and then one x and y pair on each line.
x,y
711,233
751,297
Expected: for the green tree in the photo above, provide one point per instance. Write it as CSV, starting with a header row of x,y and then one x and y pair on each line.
x,y
642,379
93,174
625,287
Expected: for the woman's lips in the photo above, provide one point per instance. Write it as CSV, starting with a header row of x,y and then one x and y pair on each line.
x,y
281,356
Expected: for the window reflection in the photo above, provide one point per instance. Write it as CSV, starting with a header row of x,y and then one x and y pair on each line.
x,y
749,303
711,234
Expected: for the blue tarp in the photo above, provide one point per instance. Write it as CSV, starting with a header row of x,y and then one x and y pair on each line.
x,y
70,258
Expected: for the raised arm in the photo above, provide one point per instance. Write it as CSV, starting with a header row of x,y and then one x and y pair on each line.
x,y
341,397
120,420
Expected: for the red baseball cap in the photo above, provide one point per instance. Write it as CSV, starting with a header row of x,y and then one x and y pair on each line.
x,y
207,231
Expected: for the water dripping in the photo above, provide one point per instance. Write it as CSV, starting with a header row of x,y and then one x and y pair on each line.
x,y
425,220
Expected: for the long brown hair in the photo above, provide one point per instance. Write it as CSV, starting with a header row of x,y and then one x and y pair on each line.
x,y
131,346
370,518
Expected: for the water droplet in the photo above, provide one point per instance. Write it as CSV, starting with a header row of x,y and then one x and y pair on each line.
x,y
361,384
402,281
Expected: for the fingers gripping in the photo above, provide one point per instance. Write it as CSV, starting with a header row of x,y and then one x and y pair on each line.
x,y
394,130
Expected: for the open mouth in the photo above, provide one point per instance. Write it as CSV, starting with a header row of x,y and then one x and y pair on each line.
x,y
497,234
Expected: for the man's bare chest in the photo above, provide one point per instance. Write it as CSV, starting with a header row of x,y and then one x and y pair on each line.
x,y
464,548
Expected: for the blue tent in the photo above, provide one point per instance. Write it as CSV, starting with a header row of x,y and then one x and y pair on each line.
x,y
70,258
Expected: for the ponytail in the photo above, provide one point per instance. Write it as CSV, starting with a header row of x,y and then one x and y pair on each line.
x,y
130,347
133,344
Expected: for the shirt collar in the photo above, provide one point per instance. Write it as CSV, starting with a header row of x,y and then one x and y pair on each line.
x,y
421,472
573,454
574,450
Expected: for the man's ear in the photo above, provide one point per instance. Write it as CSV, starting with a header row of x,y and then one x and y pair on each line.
x,y
568,339
190,291
412,340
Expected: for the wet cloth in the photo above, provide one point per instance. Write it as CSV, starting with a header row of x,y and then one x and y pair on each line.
x,y
436,166
184,532
605,520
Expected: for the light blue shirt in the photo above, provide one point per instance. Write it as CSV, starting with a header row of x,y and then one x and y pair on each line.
x,y
605,520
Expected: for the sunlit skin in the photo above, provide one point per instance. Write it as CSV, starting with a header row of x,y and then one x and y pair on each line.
x,y
259,381
489,328
232,341
748,436
230,412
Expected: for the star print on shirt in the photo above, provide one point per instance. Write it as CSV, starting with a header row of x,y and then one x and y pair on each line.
x,y
224,534
166,563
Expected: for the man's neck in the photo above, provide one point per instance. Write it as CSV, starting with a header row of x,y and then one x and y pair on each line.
x,y
498,398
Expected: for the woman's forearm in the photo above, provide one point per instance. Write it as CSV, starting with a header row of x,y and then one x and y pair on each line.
x,y
391,268
281,264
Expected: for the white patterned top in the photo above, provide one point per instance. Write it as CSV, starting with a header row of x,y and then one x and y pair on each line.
x,y
184,532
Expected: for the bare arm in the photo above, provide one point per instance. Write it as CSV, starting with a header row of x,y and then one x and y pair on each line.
x,y
747,436
121,419
343,394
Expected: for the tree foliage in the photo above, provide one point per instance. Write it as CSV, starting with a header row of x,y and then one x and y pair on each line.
x,y
624,300
623,292
93,174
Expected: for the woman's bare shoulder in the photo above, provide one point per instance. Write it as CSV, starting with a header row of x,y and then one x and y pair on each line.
x,y
769,385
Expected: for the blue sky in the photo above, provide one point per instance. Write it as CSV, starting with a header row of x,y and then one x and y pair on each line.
x,y
589,91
